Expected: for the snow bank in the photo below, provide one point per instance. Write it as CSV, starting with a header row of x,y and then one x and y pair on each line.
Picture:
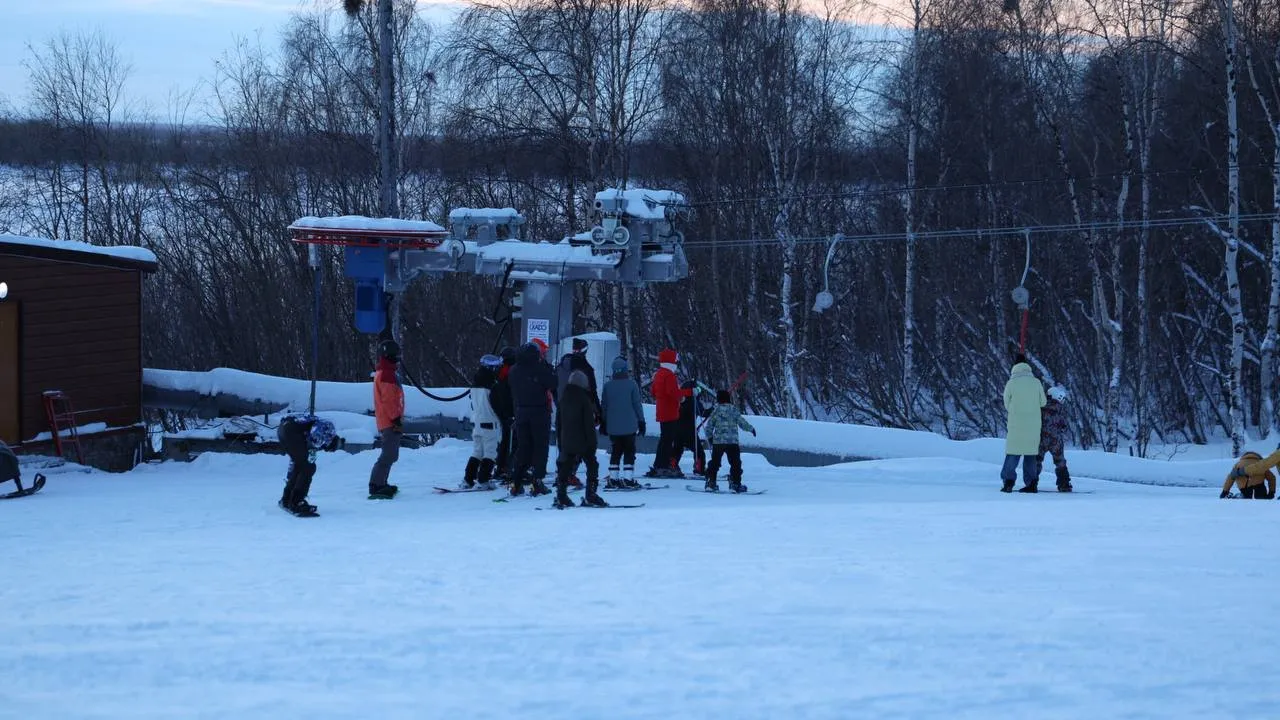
x,y
125,252
359,222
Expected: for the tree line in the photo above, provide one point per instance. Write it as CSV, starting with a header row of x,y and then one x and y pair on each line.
x,y
918,160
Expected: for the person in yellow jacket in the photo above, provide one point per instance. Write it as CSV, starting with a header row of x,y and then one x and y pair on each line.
x,y
1252,475
1023,398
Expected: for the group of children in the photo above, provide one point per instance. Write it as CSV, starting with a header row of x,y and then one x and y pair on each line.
x,y
617,412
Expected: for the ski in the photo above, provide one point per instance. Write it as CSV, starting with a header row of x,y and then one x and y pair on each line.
x,y
35,488
691,488
459,490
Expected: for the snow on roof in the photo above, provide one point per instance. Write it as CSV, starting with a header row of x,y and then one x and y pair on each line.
x,y
495,214
642,203
123,252
359,222
542,252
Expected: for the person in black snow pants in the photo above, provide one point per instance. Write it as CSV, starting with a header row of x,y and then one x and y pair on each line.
x,y
500,399
578,440
532,380
1053,435
622,419
301,436
722,431
687,432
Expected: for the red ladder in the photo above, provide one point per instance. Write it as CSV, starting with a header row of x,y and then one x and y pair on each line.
x,y
58,409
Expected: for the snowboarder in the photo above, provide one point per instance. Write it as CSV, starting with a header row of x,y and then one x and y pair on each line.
x,y
575,360
388,409
1023,399
1053,435
722,432
687,437
301,436
485,426
532,383
622,418
9,470
667,394
1252,475
500,398
577,441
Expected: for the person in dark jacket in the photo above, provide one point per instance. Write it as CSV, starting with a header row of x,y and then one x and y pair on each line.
x,y
500,398
577,441
532,382
301,436
687,433
622,418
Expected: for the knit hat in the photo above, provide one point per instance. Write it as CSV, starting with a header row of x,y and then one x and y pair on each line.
x,y
579,344
579,378
668,356
620,366
722,397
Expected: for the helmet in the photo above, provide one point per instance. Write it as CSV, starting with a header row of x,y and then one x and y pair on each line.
x,y
389,349
322,435
508,355
491,361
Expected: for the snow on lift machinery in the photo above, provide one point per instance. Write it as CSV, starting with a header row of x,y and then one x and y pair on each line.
x,y
635,242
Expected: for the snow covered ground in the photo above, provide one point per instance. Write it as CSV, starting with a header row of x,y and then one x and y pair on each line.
x,y
905,588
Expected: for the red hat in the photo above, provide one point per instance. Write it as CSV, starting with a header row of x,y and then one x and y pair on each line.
x,y
542,345
668,356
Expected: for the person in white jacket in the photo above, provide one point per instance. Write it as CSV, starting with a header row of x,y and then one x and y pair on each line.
x,y
1023,398
486,427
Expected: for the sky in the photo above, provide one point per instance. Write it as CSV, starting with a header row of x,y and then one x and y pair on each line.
x,y
170,44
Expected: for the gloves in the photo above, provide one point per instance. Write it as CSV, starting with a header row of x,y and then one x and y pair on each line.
x,y
398,424
689,385
641,428
1224,494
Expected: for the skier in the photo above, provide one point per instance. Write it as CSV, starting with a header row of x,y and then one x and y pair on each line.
x,y
1053,435
667,393
722,431
388,409
1252,475
687,437
577,441
1023,399
485,426
532,383
9,470
622,418
301,436
500,398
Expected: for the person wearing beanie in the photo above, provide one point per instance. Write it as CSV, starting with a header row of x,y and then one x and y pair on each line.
x,y
667,395
388,410
500,399
576,361
532,384
622,419
577,442
485,427
1023,398
722,432
1053,435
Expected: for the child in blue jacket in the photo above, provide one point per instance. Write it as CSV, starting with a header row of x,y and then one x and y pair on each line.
x,y
722,433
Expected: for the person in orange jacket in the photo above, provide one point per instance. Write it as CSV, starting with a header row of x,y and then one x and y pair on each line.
x,y
667,393
1252,475
388,410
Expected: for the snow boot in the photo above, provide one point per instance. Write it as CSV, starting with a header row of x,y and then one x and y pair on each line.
x,y
629,478
735,485
1029,487
592,498
469,475
574,482
711,485
613,481
384,492
539,488
301,508
1007,487
562,500
1064,479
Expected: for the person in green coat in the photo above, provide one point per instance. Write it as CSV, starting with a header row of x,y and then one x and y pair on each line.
x,y
1023,398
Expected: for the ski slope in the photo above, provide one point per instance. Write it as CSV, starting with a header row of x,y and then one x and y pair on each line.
x,y
905,588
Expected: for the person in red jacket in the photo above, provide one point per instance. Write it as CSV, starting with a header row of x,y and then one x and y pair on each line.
x,y
667,393
388,409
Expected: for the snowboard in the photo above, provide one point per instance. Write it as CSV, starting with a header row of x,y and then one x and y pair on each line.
x,y
692,488
35,488
591,507
459,490
646,486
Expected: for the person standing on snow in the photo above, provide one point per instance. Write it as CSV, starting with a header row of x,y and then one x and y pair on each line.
x,y
575,360
388,409
667,395
1053,436
500,399
485,427
532,383
577,441
301,436
622,418
1023,399
687,435
722,431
